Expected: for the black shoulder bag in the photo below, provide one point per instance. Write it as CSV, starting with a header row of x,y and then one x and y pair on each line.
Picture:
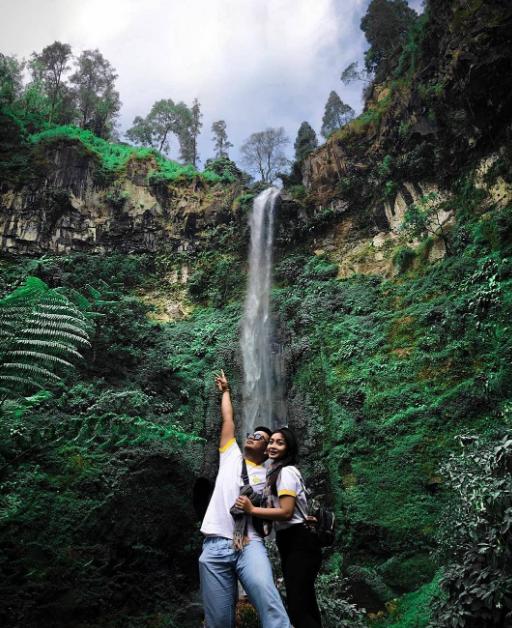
x,y
325,524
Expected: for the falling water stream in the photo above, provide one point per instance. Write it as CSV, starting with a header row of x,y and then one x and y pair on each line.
x,y
256,325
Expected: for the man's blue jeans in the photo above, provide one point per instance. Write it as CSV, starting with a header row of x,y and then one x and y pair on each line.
x,y
219,567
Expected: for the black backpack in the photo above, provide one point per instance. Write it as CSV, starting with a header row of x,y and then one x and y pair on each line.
x,y
325,525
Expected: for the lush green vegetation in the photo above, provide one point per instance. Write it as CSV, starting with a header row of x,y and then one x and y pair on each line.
x,y
401,388
395,370
114,157
94,468
390,372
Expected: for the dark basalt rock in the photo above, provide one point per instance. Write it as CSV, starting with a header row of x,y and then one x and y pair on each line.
x,y
72,204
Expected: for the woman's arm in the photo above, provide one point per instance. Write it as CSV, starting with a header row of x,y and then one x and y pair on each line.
x,y
283,513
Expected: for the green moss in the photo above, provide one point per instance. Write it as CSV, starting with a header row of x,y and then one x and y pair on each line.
x,y
413,609
114,157
403,259
407,573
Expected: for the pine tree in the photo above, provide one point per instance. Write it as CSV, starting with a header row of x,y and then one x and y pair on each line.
x,y
337,113
306,141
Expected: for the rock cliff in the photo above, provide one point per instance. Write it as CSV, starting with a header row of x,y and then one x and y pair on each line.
x,y
69,206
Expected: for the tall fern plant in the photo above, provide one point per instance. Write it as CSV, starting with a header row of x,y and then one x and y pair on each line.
x,y
41,334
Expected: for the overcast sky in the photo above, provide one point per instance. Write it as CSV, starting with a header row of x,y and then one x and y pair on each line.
x,y
253,63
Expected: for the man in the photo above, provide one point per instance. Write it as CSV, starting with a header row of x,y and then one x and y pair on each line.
x,y
220,564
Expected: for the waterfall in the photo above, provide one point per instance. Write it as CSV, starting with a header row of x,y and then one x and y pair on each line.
x,y
256,325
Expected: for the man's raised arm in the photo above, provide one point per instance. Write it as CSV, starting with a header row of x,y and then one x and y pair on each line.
x,y
227,432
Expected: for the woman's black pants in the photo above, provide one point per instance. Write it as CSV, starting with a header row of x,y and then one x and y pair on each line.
x,y
301,557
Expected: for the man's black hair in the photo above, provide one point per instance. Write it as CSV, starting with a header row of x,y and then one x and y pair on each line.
x,y
263,428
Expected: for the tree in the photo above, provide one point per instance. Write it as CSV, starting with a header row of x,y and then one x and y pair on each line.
x,y
141,132
97,100
385,26
49,67
195,128
189,127
475,535
10,79
337,113
352,73
306,141
221,145
263,153
165,119
428,217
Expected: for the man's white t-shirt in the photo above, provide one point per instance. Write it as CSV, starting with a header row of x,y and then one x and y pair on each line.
x,y
290,482
218,520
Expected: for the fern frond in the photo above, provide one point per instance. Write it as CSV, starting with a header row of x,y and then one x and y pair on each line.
x,y
62,308
36,325
53,316
40,318
43,357
58,334
32,368
49,326
49,344
21,380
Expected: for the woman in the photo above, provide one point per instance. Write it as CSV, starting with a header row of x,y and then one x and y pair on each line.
x,y
298,546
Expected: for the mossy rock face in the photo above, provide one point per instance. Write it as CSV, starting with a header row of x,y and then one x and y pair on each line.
x,y
109,208
404,574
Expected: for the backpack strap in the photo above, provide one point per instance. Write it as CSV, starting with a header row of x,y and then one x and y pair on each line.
x,y
244,474
305,495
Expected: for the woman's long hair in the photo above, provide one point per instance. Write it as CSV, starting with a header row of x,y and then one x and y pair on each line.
x,y
290,457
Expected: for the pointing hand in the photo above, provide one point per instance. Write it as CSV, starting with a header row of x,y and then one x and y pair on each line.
x,y
222,381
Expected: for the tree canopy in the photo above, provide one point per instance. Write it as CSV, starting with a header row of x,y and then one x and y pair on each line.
x,y
221,144
336,114
262,153
97,101
385,26
305,142
10,78
49,67
189,127
165,120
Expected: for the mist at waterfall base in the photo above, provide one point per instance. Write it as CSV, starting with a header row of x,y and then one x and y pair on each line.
x,y
256,324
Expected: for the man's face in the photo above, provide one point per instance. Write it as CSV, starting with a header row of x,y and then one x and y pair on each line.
x,y
257,442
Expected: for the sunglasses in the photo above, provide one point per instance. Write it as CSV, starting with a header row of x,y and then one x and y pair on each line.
x,y
255,436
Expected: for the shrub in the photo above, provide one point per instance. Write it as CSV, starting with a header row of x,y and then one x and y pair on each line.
x,y
476,536
403,259
320,268
336,610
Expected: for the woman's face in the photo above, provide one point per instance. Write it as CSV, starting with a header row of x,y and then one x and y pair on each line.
x,y
277,447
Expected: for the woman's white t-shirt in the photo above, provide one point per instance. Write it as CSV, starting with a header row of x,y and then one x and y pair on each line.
x,y
290,483
218,520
